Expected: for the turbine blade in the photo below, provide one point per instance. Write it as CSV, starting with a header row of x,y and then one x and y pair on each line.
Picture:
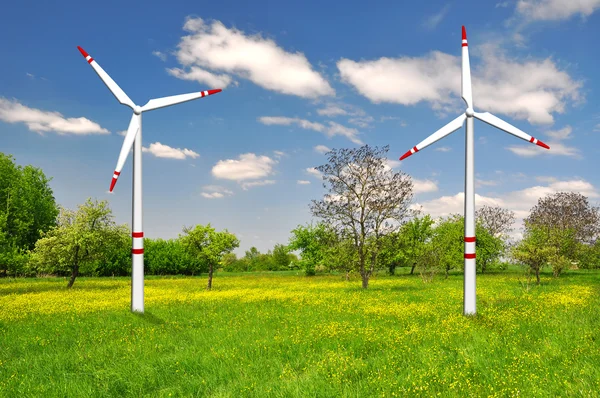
x,y
176,99
132,130
509,128
110,83
466,91
438,135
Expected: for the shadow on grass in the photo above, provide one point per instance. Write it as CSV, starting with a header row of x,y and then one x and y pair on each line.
x,y
149,317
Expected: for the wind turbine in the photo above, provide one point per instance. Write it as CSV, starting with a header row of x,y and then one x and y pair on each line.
x,y
469,278
134,138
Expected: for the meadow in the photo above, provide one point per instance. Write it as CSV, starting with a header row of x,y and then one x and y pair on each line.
x,y
285,335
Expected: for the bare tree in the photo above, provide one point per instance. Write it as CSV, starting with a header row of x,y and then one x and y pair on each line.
x,y
567,210
497,220
366,199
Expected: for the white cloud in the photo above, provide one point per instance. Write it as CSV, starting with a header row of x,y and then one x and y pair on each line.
x,y
303,182
392,163
201,76
164,151
215,192
421,186
321,149
161,55
553,10
212,45
520,201
247,185
332,130
434,20
247,167
486,183
332,110
556,148
597,127
122,133
561,134
46,121
443,149
498,85
314,172
30,75
363,122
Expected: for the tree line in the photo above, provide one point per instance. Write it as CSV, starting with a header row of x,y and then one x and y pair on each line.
x,y
365,224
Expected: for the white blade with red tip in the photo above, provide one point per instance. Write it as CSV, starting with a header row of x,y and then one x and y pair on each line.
x,y
176,99
438,135
110,83
509,128
134,127
466,90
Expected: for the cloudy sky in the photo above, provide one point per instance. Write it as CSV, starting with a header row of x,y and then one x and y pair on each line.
x,y
297,80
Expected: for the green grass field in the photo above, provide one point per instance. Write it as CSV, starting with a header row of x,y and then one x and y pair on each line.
x,y
278,335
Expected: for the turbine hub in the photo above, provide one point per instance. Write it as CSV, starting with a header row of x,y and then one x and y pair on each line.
x,y
137,110
470,112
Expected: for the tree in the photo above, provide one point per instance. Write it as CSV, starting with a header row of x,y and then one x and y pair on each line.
x,y
205,243
340,255
366,198
79,239
496,220
27,208
405,246
488,246
534,251
567,210
281,257
312,241
448,242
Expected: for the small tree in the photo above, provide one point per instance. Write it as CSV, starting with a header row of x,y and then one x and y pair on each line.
x,y
208,245
496,220
366,198
79,239
534,251
312,241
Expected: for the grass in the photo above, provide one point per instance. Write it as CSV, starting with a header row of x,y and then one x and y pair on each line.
x,y
270,335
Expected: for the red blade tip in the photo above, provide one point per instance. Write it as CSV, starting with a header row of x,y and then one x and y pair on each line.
x,y
112,184
464,33
210,92
82,51
540,143
407,154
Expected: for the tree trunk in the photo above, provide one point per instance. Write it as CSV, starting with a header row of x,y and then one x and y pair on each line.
x,y
210,273
347,275
73,276
412,270
365,281
75,269
537,275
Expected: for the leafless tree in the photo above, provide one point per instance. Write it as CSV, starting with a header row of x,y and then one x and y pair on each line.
x,y
567,210
497,220
366,199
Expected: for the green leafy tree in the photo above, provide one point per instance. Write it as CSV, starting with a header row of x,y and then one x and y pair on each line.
x,y
340,255
77,241
448,241
281,257
403,247
312,241
534,251
208,245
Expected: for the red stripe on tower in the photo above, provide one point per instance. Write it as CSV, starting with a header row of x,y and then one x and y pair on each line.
x,y
470,255
469,239
137,251
137,234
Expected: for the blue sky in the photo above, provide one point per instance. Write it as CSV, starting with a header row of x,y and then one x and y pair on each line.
x,y
298,79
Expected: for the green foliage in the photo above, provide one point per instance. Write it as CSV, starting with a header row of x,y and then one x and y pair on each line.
x,y
448,242
489,248
78,241
534,251
404,247
170,257
312,241
208,246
